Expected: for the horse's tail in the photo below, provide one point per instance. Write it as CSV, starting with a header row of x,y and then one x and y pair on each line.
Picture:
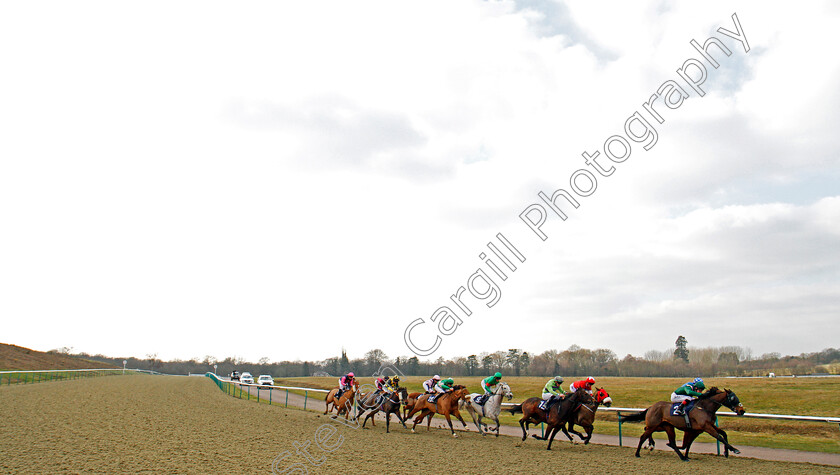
x,y
637,417
515,409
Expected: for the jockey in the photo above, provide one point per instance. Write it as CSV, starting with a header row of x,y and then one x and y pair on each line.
x,y
489,383
429,384
583,383
380,384
553,389
687,392
444,386
345,382
392,383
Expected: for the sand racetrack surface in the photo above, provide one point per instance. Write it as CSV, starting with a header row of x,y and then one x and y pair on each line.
x,y
171,424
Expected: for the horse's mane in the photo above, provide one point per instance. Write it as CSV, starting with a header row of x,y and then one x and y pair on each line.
x,y
710,392
458,386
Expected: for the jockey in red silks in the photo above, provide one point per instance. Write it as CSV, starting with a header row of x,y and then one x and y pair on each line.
x,y
583,383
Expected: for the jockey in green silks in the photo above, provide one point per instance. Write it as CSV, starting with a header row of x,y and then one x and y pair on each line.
x,y
687,392
489,383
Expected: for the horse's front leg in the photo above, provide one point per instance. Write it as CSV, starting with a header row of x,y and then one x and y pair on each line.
x,y
449,421
688,438
720,435
497,425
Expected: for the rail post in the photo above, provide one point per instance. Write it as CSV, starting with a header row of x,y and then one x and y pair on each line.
x,y
542,430
619,428
716,440
270,392
258,394
287,398
305,397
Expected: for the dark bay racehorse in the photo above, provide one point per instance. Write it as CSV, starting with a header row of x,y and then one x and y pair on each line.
x,y
558,414
584,414
658,417
389,403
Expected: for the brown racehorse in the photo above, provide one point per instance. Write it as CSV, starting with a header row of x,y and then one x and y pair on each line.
x,y
343,403
584,414
558,414
445,404
658,417
389,403
332,401
409,405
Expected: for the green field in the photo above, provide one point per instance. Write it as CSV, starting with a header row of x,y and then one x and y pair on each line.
x,y
168,424
798,396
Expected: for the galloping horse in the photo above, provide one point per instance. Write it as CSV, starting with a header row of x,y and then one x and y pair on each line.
x,y
389,405
331,400
584,415
408,405
491,408
445,404
558,414
658,417
345,402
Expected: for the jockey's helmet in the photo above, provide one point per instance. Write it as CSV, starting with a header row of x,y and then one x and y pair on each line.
x,y
498,375
448,380
559,379
436,377
698,380
351,375
395,379
590,380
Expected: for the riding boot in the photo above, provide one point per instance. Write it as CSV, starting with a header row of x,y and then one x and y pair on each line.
x,y
680,411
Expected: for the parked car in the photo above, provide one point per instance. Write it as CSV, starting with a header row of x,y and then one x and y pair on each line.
x,y
234,376
265,380
246,378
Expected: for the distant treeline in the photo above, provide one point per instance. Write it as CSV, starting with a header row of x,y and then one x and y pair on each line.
x,y
574,361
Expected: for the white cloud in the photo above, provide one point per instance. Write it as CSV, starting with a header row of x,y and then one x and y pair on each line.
x,y
208,172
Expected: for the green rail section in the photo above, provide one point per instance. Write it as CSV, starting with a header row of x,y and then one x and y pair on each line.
x,y
235,389
42,376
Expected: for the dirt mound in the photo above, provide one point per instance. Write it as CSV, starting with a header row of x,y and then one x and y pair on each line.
x,y
14,357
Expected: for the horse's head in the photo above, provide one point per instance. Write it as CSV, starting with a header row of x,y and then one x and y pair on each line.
x,y
403,395
504,390
732,402
603,397
460,391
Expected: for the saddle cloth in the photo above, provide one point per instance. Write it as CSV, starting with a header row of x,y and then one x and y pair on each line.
x,y
480,399
688,407
432,397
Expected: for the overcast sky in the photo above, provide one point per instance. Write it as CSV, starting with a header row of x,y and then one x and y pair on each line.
x,y
287,179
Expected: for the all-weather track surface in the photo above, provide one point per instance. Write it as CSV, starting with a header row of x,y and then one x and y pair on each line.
x,y
169,424
822,458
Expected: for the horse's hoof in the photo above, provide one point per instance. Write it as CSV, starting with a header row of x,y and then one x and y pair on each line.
x,y
736,451
637,455
412,431
455,435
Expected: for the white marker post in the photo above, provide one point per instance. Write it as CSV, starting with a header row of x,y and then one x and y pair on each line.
x,y
124,363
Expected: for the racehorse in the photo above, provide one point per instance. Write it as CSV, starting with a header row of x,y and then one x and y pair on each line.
x,y
331,400
389,403
409,405
658,417
490,409
445,404
558,413
584,415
